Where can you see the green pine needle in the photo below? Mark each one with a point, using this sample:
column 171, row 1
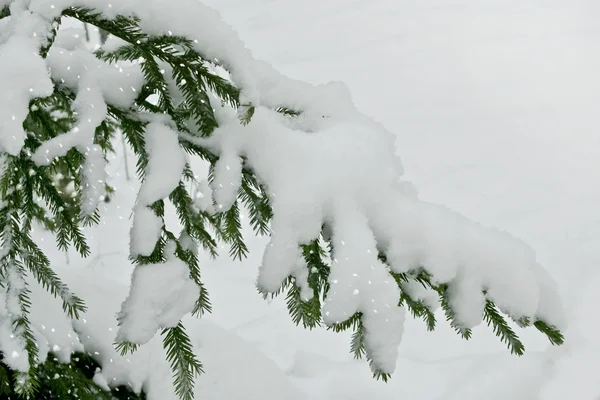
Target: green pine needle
column 4, row 12
column 5, row 388
column 357, row 345
column 554, row 335
column 231, row 231
column 124, row 348
column 306, row 312
column 186, row 88
column 184, row 364
column 381, row 376
column 255, row 198
column 501, row 328
column 419, row 310
column 246, row 112
column 288, row 112
column 353, row 322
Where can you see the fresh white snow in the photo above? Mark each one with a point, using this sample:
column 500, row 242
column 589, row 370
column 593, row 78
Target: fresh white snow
column 494, row 106
column 161, row 175
column 160, row 296
column 226, row 357
column 23, row 79
column 165, row 164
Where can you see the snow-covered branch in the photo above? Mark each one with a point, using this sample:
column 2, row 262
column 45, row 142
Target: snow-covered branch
column 350, row 236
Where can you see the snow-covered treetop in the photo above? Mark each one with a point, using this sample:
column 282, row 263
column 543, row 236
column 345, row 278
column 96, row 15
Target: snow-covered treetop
column 350, row 242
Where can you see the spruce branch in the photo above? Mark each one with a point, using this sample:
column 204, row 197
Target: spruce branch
column 288, row 112
column 357, row 345
column 465, row 333
column 73, row 382
column 4, row 12
column 58, row 380
column 26, row 383
column 418, row 309
column 501, row 328
column 194, row 222
column 189, row 69
column 522, row 322
column 555, row 336
column 184, row 364
column 5, row 388
column 39, row 266
column 246, row 112
column 181, row 86
column 318, row 268
column 124, row 348
column 50, row 37
column 255, row 198
column 353, row 322
column 189, row 257
column 231, row 232
column 307, row 312
column 271, row 295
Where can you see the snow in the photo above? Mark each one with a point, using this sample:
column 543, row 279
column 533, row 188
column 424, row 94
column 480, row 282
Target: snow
column 354, row 158
column 471, row 90
column 226, row 357
column 52, row 330
column 361, row 283
column 467, row 300
column 203, row 198
column 94, row 180
column 160, row 295
column 13, row 347
column 430, row 236
column 146, row 230
column 227, row 180
column 100, row 380
column 300, row 274
column 417, row 292
column 165, row 164
column 12, row 344
column 91, row 111
column 23, row 79
column 75, row 67
column 93, row 81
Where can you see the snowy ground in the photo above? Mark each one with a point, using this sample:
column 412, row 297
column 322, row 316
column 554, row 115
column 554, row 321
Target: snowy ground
column 494, row 103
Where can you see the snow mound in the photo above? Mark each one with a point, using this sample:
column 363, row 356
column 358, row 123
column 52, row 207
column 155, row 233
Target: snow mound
column 226, row 357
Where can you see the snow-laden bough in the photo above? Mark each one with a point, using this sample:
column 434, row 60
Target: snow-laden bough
column 349, row 239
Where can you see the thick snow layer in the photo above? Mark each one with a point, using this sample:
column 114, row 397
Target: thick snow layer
column 160, row 295
column 358, row 194
column 471, row 89
column 226, row 358
column 94, row 83
column 165, row 164
column 22, row 78
column 261, row 84
column 145, row 231
column 12, row 345
column 94, row 180
column 162, row 174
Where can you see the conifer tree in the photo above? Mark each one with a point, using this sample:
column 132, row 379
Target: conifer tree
column 161, row 86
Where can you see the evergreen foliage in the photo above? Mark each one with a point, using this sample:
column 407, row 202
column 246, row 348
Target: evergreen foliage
column 58, row 380
column 31, row 195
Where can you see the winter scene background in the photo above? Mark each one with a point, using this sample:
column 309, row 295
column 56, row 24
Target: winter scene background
column 493, row 109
